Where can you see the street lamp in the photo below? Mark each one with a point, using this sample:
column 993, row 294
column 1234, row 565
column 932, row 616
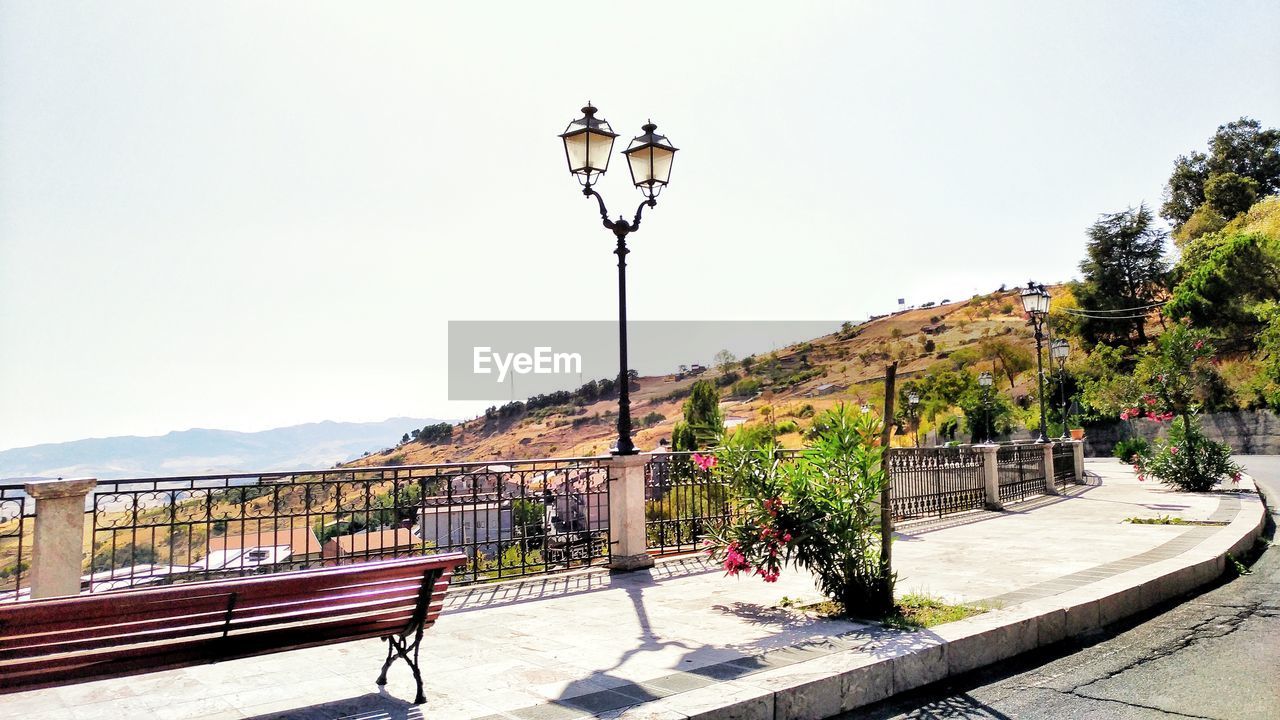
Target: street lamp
column 913, row 399
column 986, row 380
column 588, row 143
column 1035, row 300
column 1059, row 350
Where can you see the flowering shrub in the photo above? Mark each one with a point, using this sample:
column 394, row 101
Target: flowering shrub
column 819, row 510
column 1187, row 461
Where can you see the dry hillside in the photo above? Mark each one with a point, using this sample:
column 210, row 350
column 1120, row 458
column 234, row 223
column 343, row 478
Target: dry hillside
column 850, row 363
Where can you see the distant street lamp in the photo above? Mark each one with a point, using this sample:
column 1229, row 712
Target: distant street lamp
column 865, row 408
column 913, row 399
column 588, row 143
column 1059, row 350
column 1035, row 300
column 985, row 380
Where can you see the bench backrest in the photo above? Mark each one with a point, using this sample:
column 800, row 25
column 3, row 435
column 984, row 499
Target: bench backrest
column 59, row 640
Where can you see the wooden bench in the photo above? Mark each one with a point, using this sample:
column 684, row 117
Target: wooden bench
column 126, row 632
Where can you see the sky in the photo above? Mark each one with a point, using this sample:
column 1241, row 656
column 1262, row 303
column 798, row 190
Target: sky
column 244, row 215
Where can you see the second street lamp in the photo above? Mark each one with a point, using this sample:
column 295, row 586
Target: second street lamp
column 913, row 399
column 1058, row 351
column 588, row 143
column 1035, row 300
column 985, row 381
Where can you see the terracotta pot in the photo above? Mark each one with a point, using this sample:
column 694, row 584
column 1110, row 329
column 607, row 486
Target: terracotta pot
column 1077, row 433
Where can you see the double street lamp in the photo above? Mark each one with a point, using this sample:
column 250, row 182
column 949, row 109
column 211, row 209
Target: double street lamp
column 1059, row 350
column 1035, row 300
column 588, row 144
column 913, row 399
column 985, row 381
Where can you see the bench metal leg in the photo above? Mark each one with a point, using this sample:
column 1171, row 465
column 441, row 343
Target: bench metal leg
column 399, row 647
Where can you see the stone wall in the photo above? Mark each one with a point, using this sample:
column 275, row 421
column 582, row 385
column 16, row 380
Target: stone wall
column 1248, row 432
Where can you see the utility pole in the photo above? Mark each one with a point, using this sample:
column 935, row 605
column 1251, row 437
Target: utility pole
column 886, row 512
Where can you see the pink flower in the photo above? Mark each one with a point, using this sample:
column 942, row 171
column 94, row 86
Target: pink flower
column 786, row 538
column 1149, row 400
column 1124, row 414
column 1173, row 449
column 1199, row 344
column 704, row 462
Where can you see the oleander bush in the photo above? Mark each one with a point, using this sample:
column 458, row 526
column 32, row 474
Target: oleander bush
column 819, row 510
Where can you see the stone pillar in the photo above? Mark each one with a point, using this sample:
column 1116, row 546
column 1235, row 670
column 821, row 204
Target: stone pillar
column 990, row 472
column 627, row 540
column 57, row 549
column 1077, row 449
column 1049, row 487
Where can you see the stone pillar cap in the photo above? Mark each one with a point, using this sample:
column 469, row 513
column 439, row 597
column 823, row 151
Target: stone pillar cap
column 69, row 487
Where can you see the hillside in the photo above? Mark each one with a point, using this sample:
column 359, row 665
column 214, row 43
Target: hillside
column 299, row 447
column 849, row 363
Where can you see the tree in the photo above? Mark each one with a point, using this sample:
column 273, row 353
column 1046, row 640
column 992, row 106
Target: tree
column 703, row 423
column 1125, row 269
column 1223, row 280
column 1014, row 359
column 724, row 360
column 1229, row 194
column 1241, row 148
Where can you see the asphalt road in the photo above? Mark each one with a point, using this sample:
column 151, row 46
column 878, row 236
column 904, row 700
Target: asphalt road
column 1215, row 654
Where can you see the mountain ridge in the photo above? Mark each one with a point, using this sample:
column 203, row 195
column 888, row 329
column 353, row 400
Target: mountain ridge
column 306, row 446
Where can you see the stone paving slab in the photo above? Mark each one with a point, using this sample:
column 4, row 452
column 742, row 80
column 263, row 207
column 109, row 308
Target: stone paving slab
column 683, row 641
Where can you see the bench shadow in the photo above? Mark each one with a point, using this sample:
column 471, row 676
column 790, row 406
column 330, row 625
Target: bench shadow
column 370, row 706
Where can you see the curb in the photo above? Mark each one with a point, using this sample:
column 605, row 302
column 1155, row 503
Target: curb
column 849, row 679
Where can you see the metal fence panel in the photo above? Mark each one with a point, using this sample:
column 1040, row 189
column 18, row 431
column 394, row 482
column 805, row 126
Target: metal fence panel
column 17, row 523
column 511, row 518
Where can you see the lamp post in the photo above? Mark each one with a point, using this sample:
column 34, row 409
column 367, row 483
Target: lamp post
column 913, row 399
column 985, row 381
column 1035, row 300
column 1059, row 350
column 588, row 143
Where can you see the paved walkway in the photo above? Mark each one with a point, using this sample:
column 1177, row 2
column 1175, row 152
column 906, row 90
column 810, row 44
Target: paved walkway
column 591, row 643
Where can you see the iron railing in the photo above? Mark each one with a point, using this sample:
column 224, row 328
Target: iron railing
column 1064, row 465
column 511, row 518
column 683, row 503
column 1020, row 469
column 935, row 481
column 17, row 523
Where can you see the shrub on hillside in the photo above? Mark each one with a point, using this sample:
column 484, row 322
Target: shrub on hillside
column 749, row 386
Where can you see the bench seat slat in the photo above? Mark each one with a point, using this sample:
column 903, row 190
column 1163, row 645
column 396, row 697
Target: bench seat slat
column 114, row 662
column 132, row 635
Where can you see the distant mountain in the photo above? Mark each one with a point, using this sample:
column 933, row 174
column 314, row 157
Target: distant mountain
column 199, row 451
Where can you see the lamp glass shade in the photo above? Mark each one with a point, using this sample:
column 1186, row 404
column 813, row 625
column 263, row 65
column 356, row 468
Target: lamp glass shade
column 913, row 398
column 1059, row 350
column 588, row 143
column 985, row 379
column 650, row 157
column 1035, row 300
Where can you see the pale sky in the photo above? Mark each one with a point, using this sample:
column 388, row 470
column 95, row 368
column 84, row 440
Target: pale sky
column 246, row 215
